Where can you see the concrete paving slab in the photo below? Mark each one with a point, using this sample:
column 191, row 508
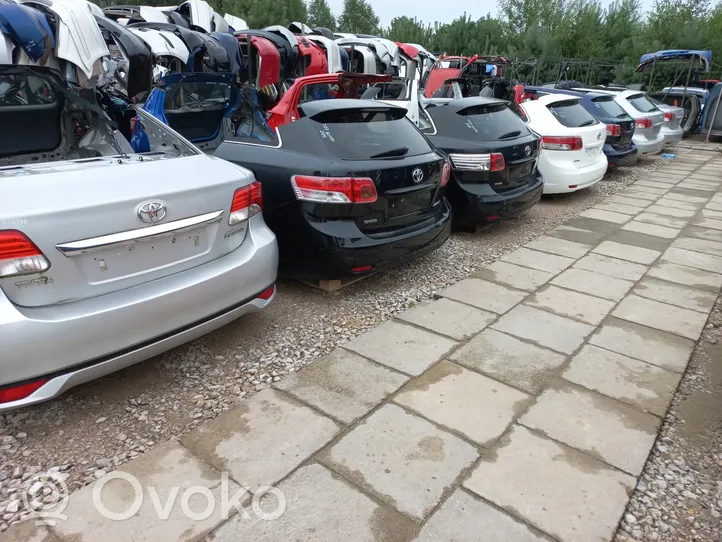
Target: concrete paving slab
column 402, row 347
column 618, row 208
column 343, row 385
column 172, row 471
column 676, row 294
column 645, row 188
column 464, row 401
column 614, row 267
column 447, row 317
column 516, row 276
column 551, row 263
column 715, row 215
column 662, row 316
column 629, row 253
column 653, row 184
column 544, row 328
column 606, row 216
column 319, row 506
column 710, row 223
column 698, row 245
column 661, row 220
column 402, row 459
column 631, row 192
column 705, row 262
column 662, row 349
column 509, row 360
column 601, row 227
column 672, row 211
column 484, row 295
column 640, row 240
column 703, row 233
column 697, row 187
column 652, row 229
column 686, row 191
column 633, row 202
column 28, row 531
column 674, row 194
column 688, row 276
column 712, row 206
column 463, row 518
column 631, row 381
column 661, row 180
column 588, row 282
column 676, row 204
column 565, row 493
column 577, row 235
column 613, row 432
column 574, row 305
column 560, row 247
column 261, row 441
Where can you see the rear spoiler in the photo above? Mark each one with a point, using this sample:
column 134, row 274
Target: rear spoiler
column 326, row 108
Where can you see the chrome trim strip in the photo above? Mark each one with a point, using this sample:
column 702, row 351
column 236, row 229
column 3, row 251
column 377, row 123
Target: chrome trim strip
column 85, row 246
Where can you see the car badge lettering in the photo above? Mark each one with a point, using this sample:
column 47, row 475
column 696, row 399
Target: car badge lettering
column 417, row 175
column 599, row 135
column 152, row 211
column 527, row 150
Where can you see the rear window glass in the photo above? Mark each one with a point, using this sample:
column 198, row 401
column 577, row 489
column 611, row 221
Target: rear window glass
column 641, row 103
column 607, row 107
column 361, row 135
column 17, row 89
column 571, row 114
column 197, row 95
column 493, row 122
column 387, row 91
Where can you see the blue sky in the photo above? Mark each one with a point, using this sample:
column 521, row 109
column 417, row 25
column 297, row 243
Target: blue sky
column 429, row 11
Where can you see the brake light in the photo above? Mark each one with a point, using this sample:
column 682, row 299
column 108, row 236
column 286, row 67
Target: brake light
column 497, row 161
column 361, row 269
column 553, row 143
column 19, row 255
column 247, row 202
column 446, row 173
column 334, row 189
column 267, row 293
column 15, row 393
column 643, row 123
column 669, row 117
column 614, row 130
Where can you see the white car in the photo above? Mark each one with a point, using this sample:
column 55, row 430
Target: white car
column 572, row 142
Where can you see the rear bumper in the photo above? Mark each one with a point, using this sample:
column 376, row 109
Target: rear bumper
column 76, row 342
column 563, row 180
column 331, row 250
column 476, row 204
column 617, row 158
column 649, row 146
column 672, row 135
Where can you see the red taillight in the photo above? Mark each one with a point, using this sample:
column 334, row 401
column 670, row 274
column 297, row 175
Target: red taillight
column 669, row 117
column 267, row 293
column 493, row 217
column 446, row 173
column 572, row 186
column 15, row 393
column 334, row 189
column 247, row 202
column 643, row 123
column 19, row 255
column 497, row 162
column 361, row 269
column 614, row 130
column 553, row 143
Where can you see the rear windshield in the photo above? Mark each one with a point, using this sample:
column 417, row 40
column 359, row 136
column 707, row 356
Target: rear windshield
column 197, row 95
column 394, row 90
column 361, row 135
column 571, row 114
column 605, row 106
column 641, row 103
column 492, row 122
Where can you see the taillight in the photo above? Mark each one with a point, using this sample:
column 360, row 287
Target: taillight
column 478, row 162
column 643, row 123
column 334, row 189
column 553, row 143
column 446, row 173
column 267, row 293
column 497, row 161
column 247, row 202
column 15, row 393
column 614, row 130
column 19, row 255
column 669, row 117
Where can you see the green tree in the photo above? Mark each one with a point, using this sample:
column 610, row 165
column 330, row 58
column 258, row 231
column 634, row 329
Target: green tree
column 408, row 30
column 319, row 14
column 358, row 17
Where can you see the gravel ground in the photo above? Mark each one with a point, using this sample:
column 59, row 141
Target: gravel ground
column 679, row 496
column 99, row 426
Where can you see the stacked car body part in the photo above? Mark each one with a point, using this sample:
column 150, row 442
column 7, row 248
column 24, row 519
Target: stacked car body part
column 164, row 164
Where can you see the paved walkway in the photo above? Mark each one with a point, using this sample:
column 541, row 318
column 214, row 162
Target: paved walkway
column 518, row 407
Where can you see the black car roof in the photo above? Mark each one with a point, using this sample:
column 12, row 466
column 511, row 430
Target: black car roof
column 310, row 109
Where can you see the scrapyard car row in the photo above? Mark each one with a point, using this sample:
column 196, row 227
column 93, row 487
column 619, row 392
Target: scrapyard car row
column 129, row 229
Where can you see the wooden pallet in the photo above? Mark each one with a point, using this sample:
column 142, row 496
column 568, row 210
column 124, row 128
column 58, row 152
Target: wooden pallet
column 332, row 285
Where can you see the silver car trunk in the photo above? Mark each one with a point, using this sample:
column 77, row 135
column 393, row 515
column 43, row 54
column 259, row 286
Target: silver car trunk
column 92, row 220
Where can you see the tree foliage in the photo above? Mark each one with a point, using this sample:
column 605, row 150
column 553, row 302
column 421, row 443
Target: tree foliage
column 358, row 17
column 319, row 14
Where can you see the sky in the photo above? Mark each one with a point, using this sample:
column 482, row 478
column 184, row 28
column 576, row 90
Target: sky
column 429, row 11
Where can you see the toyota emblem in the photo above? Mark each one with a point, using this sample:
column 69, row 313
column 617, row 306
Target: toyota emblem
column 527, row 150
column 151, row 211
column 599, row 135
column 417, row 175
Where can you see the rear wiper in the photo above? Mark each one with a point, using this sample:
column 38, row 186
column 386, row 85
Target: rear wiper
column 510, row 134
column 588, row 123
column 621, row 115
column 399, row 151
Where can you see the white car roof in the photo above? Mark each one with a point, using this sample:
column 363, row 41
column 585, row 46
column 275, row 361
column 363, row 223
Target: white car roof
column 549, row 99
column 201, row 14
column 236, row 22
column 163, row 43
